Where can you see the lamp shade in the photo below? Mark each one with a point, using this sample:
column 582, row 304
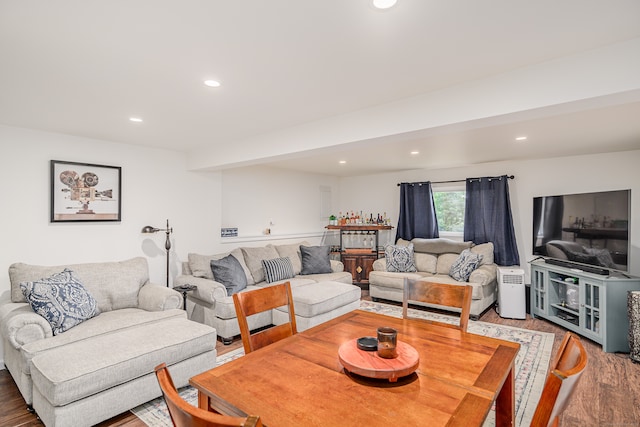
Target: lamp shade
column 149, row 229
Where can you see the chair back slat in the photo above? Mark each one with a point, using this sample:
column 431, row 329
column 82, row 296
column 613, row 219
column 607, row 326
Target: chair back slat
column 257, row 301
column 441, row 294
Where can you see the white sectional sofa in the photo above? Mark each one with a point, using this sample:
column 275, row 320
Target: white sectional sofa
column 433, row 261
column 104, row 365
column 317, row 297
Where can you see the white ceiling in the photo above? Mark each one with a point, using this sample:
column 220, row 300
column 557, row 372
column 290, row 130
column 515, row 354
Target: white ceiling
column 83, row 67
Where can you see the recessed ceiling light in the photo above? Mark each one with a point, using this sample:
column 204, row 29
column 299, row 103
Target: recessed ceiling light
column 521, row 138
column 212, row 83
column 342, row 162
column 413, row 153
column 135, row 119
column 384, row 4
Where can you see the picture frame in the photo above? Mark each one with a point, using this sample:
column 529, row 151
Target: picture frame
column 85, row 192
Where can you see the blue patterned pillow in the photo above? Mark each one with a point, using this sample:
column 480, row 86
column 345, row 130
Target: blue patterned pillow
column 400, row 258
column 61, row 299
column 277, row 269
column 464, row 265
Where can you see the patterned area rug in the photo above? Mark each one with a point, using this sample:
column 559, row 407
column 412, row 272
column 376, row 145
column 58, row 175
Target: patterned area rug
column 531, row 365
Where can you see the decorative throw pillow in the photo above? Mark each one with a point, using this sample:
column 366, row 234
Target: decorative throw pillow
column 61, row 299
column 400, row 258
column 277, row 269
column 315, row 259
column 230, row 273
column 466, row 263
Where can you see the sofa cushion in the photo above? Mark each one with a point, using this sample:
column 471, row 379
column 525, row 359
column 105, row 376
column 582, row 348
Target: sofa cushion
column 486, row 251
column 315, row 259
column 464, row 265
column 106, row 323
column 425, row 262
column 444, row 263
column 439, row 246
column 253, row 258
column 277, row 269
column 400, row 258
column 200, row 265
column 114, row 285
column 317, row 298
column 61, row 299
column 229, row 272
column 84, row 368
column 293, row 252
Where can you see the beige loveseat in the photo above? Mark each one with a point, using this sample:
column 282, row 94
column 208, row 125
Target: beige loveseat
column 433, row 261
column 317, row 297
column 105, row 365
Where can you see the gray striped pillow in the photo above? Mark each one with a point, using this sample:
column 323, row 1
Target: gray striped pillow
column 277, row 269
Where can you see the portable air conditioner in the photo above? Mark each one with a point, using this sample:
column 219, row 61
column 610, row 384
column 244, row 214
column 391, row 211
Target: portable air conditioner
column 511, row 293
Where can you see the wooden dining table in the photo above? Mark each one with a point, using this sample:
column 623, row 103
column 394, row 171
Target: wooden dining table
column 299, row 381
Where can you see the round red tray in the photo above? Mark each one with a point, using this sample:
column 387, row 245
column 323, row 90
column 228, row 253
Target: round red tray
column 370, row 365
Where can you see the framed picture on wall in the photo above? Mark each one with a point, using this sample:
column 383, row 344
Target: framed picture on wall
column 84, row 192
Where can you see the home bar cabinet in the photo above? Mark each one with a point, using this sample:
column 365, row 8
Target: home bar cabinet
column 358, row 246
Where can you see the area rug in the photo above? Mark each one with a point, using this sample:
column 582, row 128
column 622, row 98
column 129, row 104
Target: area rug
column 531, row 365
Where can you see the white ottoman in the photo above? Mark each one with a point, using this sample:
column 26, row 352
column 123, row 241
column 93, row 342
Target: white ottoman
column 315, row 303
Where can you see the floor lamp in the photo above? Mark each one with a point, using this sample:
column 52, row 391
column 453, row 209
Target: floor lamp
column 167, row 244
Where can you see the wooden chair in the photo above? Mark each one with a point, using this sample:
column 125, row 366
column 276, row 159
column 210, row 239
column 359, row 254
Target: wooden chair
column 183, row 414
column 440, row 294
column 257, row 301
column 568, row 366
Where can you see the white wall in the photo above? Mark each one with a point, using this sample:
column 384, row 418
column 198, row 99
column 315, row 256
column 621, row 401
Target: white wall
column 541, row 177
column 290, row 204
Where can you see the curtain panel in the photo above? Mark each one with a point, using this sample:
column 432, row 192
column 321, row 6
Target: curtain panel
column 487, row 217
column 417, row 216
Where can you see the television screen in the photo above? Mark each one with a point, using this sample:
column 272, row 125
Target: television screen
column 589, row 229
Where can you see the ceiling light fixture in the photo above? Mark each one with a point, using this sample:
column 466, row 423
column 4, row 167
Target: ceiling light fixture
column 384, row 4
column 135, row 119
column 413, row 153
column 521, row 138
column 342, row 162
column 212, row 83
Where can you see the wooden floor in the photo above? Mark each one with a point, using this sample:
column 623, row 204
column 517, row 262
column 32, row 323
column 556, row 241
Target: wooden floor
column 608, row 394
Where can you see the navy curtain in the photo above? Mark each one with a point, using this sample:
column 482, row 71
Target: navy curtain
column 417, row 212
column 487, row 217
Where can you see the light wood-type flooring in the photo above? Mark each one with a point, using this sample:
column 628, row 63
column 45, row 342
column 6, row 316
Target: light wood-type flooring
column 608, row 394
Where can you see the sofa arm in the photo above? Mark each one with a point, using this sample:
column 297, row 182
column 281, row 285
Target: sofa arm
column 21, row 325
column 208, row 290
column 484, row 274
column 336, row 266
column 158, row 298
column 380, row 264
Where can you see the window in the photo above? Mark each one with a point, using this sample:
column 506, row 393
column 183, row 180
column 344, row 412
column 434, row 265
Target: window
column 449, row 204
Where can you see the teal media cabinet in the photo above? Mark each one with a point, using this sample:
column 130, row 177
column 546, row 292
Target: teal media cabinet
column 588, row 304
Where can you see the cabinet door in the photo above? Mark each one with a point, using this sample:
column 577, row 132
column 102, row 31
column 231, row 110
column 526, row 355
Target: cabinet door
column 592, row 301
column 538, row 292
column 359, row 266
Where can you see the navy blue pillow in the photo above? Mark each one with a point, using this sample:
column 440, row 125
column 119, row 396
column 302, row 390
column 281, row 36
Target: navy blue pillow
column 229, row 272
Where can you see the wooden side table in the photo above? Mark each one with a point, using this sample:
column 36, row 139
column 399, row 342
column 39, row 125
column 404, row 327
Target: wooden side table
column 184, row 290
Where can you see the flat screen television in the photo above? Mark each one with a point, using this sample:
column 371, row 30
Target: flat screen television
column 588, row 231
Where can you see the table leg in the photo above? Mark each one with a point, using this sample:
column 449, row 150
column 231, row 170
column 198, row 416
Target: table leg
column 505, row 403
column 203, row 401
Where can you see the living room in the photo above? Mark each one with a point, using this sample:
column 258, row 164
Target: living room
column 254, row 185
